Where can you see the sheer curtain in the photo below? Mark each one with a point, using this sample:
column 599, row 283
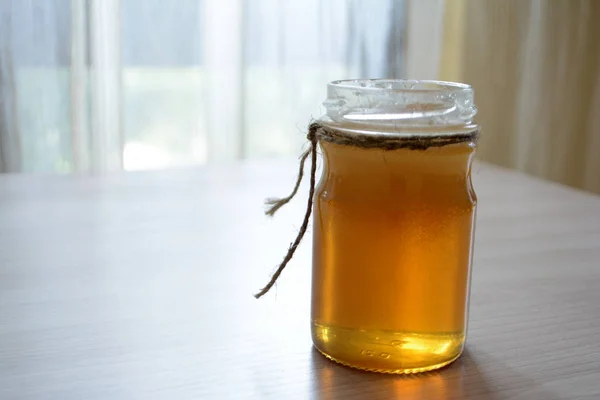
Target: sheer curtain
column 101, row 85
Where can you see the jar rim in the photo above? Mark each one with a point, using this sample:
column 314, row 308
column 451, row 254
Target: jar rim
column 401, row 85
column 399, row 102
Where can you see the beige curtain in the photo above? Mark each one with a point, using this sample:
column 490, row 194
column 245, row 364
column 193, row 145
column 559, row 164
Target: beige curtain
column 535, row 67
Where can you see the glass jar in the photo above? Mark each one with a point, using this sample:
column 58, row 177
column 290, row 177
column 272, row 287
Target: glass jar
column 393, row 228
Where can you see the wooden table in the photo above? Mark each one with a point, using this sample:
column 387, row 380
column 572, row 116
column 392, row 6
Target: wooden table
column 139, row 286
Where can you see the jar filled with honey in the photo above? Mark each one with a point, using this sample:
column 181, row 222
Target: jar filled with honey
column 393, row 224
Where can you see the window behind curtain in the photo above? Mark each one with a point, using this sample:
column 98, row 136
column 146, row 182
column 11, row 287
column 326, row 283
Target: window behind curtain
column 185, row 82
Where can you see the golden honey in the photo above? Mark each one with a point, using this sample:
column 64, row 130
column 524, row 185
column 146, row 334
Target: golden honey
column 392, row 248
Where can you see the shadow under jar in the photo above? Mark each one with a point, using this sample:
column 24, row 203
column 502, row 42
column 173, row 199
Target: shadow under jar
column 393, row 228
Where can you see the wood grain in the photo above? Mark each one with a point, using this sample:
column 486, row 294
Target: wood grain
column 139, row 286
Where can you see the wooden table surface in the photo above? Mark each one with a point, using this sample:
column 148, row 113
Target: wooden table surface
column 139, row 286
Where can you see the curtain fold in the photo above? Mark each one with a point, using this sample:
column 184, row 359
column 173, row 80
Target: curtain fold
column 10, row 144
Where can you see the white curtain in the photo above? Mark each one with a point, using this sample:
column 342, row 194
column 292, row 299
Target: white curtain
column 101, row 85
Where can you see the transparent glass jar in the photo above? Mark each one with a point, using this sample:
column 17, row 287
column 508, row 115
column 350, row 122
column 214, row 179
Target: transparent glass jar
column 393, row 229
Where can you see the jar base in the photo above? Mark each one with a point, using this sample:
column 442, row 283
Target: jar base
column 387, row 351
